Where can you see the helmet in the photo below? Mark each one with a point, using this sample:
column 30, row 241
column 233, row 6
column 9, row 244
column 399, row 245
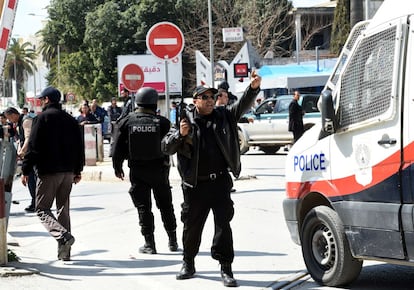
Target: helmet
column 223, row 85
column 146, row 96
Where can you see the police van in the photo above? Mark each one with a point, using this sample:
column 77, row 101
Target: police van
column 350, row 179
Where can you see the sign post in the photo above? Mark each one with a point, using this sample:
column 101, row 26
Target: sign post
column 166, row 41
column 133, row 78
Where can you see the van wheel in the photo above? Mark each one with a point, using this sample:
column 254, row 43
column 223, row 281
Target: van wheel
column 242, row 142
column 325, row 249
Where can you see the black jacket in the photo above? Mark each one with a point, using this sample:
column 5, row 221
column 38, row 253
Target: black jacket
column 121, row 141
column 225, row 129
column 295, row 117
column 55, row 143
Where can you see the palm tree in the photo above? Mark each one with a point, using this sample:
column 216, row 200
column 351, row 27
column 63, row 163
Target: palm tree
column 19, row 62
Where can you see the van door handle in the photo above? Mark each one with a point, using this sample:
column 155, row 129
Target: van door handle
column 389, row 141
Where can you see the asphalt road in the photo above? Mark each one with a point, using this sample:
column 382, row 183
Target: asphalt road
column 105, row 225
column 105, row 254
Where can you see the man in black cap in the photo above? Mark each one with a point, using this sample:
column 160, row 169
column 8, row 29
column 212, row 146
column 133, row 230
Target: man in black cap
column 225, row 86
column 56, row 154
column 207, row 147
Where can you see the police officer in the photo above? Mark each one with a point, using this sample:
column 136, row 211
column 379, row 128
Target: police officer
column 139, row 141
column 207, row 147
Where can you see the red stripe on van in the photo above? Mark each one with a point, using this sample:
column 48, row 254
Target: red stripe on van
column 348, row 185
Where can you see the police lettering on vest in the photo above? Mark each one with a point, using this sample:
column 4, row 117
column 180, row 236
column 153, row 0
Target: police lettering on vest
column 144, row 128
column 144, row 137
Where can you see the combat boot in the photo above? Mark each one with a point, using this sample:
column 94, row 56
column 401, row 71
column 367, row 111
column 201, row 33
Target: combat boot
column 187, row 270
column 227, row 275
column 149, row 246
column 172, row 241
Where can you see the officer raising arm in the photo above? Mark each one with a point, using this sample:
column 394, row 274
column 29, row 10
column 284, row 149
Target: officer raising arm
column 138, row 139
column 207, row 147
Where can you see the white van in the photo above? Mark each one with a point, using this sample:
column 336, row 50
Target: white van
column 350, row 179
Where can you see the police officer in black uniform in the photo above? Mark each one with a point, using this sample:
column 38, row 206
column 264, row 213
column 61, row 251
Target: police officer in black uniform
column 139, row 141
column 207, row 147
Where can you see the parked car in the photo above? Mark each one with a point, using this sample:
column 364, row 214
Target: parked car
column 267, row 125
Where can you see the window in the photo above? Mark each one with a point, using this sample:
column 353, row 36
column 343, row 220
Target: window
column 367, row 82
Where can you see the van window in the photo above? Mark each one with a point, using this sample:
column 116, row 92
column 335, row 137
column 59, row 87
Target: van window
column 367, row 81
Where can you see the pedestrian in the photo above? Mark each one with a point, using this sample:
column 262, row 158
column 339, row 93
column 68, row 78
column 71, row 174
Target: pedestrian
column 86, row 117
column 98, row 111
column 296, row 117
column 56, row 153
column 173, row 112
column 207, row 148
column 126, row 109
column 6, row 128
column 222, row 98
column 128, row 106
column 101, row 115
column 225, row 86
column 138, row 139
column 23, row 123
column 114, row 112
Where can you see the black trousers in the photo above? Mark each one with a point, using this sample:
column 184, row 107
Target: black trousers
column 297, row 134
column 143, row 180
column 198, row 201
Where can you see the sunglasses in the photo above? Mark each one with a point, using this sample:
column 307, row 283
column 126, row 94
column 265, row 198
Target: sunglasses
column 205, row 97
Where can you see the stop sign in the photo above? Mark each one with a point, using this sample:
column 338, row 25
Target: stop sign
column 165, row 40
column 132, row 77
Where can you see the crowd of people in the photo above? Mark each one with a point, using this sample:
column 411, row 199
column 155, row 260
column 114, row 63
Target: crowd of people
column 205, row 140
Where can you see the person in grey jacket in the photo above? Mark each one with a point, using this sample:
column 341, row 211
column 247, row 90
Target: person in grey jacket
column 207, row 148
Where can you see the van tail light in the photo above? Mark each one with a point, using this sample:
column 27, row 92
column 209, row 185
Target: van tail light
column 250, row 120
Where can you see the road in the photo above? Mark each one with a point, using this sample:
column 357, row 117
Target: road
column 105, row 254
column 105, row 224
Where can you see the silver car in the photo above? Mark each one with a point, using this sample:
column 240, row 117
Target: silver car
column 267, row 125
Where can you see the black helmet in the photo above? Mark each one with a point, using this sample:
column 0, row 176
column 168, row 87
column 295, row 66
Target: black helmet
column 146, row 96
column 223, row 85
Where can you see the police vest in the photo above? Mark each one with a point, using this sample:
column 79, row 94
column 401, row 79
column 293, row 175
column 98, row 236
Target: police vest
column 144, row 137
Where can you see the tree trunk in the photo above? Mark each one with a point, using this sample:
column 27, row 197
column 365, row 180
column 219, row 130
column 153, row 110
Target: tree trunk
column 357, row 12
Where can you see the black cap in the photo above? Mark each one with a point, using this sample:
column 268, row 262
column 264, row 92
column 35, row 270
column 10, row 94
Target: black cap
column 202, row 89
column 224, row 85
column 52, row 93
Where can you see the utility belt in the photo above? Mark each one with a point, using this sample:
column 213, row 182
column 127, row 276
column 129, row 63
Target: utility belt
column 211, row 176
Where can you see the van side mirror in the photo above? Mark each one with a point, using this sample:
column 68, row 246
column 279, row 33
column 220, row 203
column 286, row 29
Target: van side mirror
column 327, row 113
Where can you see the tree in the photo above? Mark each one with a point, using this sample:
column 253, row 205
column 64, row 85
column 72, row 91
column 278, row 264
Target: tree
column 269, row 25
column 19, row 62
column 341, row 26
column 92, row 33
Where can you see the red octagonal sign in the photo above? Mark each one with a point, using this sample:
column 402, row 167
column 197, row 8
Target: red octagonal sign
column 132, row 77
column 165, row 40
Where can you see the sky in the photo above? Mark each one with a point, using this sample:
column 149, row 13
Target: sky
column 25, row 24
